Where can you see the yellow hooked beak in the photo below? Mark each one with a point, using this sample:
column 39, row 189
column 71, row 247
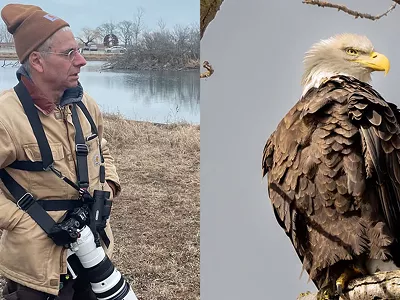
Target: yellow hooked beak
column 377, row 62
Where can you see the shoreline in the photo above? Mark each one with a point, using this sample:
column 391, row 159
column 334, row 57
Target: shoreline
column 111, row 64
column 88, row 56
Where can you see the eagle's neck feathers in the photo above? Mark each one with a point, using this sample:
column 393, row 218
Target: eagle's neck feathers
column 316, row 78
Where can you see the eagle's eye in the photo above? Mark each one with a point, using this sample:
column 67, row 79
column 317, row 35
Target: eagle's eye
column 351, row 51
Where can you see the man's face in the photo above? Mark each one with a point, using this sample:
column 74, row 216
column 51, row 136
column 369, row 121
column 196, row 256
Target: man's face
column 58, row 70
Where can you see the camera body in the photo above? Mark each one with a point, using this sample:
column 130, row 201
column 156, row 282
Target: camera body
column 67, row 231
column 96, row 209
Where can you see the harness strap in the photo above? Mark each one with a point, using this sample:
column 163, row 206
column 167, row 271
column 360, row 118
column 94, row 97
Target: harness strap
column 82, row 151
column 94, row 134
column 34, row 120
column 27, row 203
column 89, row 118
column 27, row 165
column 57, row 205
column 16, row 190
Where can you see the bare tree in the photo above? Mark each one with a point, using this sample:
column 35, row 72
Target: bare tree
column 163, row 48
column 137, row 26
column 5, row 36
column 181, row 36
column 161, row 24
column 194, row 40
column 107, row 28
column 88, row 35
column 125, row 30
column 159, row 44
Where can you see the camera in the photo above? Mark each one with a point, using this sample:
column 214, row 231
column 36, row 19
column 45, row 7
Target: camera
column 67, row 230
column 78, row 232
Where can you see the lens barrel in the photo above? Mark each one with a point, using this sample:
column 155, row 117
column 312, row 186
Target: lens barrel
column 85, row 259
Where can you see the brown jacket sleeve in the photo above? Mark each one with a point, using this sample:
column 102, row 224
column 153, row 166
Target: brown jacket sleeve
column 111, row 170
column 10, row 214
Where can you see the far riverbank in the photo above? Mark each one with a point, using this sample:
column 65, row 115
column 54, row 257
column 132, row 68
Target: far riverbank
column 126, row 62
column 89, row 56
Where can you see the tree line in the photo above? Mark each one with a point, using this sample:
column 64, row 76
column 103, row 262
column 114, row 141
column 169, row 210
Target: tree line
column 157, row 48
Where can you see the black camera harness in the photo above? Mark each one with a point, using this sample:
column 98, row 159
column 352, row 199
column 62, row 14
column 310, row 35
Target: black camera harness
column 37, row 209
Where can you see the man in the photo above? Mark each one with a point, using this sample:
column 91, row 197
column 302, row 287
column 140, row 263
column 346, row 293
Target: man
column 34, row 265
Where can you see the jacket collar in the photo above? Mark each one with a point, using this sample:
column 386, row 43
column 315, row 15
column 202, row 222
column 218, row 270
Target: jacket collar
column 45, row 104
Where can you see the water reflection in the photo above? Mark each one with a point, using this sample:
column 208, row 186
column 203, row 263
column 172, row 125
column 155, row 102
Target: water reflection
column 157, row 96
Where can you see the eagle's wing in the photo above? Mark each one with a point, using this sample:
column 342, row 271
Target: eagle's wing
column 322, row 167
column 379, row 130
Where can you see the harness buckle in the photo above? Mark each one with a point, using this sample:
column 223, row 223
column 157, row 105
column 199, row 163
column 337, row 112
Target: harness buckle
column 91, row 137
column 49, row 167
column 81, row 149
column 25, row 202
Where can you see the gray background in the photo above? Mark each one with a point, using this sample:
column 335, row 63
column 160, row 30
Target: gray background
column 257, row 48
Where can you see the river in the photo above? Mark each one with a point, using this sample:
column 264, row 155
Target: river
column 155, row 96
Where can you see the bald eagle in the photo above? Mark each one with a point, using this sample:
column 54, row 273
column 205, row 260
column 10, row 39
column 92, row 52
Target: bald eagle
column 333, row 167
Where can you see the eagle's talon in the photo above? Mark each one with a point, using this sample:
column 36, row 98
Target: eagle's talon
column 326, row 294
column 351, row 272
column 339, row 288
column 342, row 281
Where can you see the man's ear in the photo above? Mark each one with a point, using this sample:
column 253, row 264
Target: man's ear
column 36, row 61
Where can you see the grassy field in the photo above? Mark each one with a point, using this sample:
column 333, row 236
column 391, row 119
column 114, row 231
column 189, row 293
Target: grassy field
column 156, row 219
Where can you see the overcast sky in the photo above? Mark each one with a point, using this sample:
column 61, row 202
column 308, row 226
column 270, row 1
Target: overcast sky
column 92, row 13
column 256, row 48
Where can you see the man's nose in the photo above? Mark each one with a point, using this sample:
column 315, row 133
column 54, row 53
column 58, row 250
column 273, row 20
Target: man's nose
column 79, row 60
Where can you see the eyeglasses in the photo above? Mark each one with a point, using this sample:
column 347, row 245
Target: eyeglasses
column 71, row 54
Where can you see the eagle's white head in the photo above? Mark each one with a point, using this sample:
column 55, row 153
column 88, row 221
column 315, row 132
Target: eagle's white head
column 344, row 54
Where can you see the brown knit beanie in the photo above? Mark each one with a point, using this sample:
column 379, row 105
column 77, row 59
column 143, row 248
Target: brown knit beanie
column 30, row 26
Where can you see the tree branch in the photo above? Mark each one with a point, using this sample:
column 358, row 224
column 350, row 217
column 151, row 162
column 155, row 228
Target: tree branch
column 354, row 13
column 382, row 285
column 208, row 11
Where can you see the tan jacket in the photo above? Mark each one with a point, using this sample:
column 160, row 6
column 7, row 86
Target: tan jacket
column 27, row 255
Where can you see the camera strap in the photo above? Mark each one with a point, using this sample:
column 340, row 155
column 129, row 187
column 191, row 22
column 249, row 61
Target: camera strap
column 94, row 134
column 82, row 151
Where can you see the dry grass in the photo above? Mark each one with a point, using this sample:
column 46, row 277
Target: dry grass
column 156, row 219
column 160, row 204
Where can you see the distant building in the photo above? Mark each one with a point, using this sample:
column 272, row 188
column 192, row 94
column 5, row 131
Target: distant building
column 110, row 40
